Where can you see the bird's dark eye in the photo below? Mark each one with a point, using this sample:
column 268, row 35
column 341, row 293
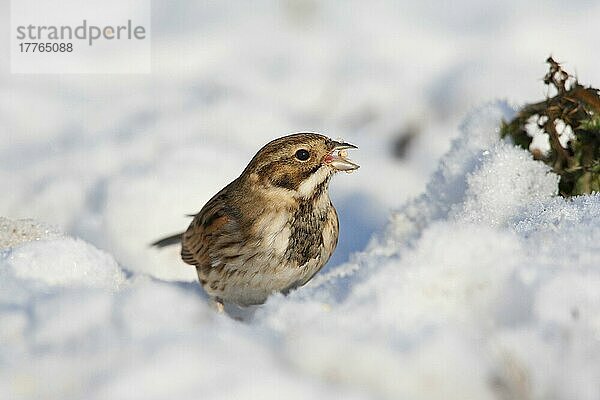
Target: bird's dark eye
column 302, row 155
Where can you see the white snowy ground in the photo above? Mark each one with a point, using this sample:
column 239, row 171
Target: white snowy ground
column 485, row 285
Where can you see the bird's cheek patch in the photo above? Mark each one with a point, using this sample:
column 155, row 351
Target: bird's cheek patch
column 285, row 181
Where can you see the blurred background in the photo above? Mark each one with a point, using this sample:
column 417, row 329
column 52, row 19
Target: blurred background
column 118, row 160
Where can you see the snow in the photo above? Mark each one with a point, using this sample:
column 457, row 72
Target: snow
column 32, row 251
column 459, row 273
column 484, row 285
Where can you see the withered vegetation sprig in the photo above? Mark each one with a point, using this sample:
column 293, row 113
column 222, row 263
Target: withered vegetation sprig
column 571, row 119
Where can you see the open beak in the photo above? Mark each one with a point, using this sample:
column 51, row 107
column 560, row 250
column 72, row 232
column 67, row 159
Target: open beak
column 337, row 157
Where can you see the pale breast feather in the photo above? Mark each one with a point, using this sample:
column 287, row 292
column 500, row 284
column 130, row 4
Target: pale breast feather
column 274, row 229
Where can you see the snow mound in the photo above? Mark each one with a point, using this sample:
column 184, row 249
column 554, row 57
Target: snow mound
column 485, row 287
column 64, row 262
column 38, row 253
column 505, row 182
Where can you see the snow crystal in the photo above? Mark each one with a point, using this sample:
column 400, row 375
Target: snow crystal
column 505, row 182
column 14, row 232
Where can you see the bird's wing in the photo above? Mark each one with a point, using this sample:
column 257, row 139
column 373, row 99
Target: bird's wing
column 213, row 225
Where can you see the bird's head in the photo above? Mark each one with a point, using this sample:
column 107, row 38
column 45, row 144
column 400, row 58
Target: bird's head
column 301, row 163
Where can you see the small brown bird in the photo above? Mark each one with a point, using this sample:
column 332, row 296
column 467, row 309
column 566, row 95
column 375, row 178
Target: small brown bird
column 271, row 229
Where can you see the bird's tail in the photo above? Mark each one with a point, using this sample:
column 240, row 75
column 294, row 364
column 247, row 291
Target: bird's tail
column 168, row 241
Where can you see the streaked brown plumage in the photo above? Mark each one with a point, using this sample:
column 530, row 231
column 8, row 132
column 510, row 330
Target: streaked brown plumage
column 271, row 229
